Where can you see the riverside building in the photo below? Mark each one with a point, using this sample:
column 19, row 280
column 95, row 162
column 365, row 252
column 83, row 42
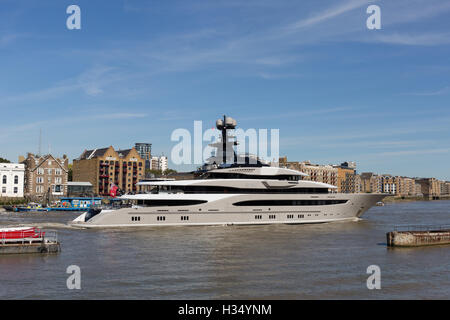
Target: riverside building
column 106, row 166
column 346, row 181
column 45, row 175
column 319, row 173
column 12, row 180
column 342, row 176
column 430, row 188
column 145, row 151
column 159, row 163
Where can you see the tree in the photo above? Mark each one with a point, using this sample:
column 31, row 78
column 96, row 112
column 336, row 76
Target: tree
column 70, row 173
column 2, row 160
column 159, row 173
column 169, row 171
column 156, row 173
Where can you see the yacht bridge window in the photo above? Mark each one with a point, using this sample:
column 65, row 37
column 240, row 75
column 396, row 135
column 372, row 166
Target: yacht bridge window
column 169, row 203
column 236, row 175
column 288, row 202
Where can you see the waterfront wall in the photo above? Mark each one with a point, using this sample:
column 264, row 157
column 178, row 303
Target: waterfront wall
column 413, row 198
column 11, row 201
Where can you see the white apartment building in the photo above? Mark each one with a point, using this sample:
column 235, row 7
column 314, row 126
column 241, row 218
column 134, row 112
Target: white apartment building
column 159, row 163
column 163, row 163
column 12, row 180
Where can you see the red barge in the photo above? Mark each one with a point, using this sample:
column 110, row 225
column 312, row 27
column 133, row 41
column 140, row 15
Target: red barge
column 27, row 240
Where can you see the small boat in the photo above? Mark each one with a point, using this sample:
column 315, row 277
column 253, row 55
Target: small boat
column 31, row 207
column 380, row 203
column 75, row 204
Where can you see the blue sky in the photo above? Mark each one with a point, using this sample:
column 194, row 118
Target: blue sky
column 137, row 70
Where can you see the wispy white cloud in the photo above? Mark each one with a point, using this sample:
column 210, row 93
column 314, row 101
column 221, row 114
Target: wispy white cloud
column 305, row 112
column 439, row 92
column 118, row 116
column 352, row 137
column 412, row 152
column 329, row 13
column 6, row 39
column 275, row 76
column 6, row 131
column 90, row 82
column 428, row 39
column 383, row 144
column 407, row 11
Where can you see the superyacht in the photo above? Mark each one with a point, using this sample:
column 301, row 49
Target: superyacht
column 231, row 189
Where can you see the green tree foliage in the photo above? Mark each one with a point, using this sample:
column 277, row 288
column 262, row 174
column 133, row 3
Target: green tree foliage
column 159, row 173
column 2, row 160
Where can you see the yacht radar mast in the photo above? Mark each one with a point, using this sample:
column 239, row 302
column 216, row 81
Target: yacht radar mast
column 225, row 152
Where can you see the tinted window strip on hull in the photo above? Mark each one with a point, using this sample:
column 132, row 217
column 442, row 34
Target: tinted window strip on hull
column 288, row 202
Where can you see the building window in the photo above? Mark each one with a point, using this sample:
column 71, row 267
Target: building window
column 58, row 180
column 16, row 179
column 4, row 180
column 184, row 218
column 15, row 190
column 301, row 216
column 3, row 189
column 40, row 171
column 39, row 180
column 161, row 218
column 49, row 171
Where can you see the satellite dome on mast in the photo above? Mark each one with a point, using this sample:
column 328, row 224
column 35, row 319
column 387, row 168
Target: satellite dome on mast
column 230, row 123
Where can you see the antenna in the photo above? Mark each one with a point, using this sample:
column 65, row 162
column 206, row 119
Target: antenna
column 40, row 141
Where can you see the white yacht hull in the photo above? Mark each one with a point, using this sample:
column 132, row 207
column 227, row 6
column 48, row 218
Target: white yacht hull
column 219, row 210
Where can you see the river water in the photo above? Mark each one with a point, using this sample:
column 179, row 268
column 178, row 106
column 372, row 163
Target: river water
column 321, row 261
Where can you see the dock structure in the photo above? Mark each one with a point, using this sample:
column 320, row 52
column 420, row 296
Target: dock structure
column 415, row 236
column 44, row 242
column 12, row 248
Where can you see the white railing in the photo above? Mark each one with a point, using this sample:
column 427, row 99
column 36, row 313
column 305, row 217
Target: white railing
column 31, row 235
column 423, row 228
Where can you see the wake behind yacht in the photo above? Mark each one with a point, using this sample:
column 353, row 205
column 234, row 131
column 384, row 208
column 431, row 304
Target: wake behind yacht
column 241, row 193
